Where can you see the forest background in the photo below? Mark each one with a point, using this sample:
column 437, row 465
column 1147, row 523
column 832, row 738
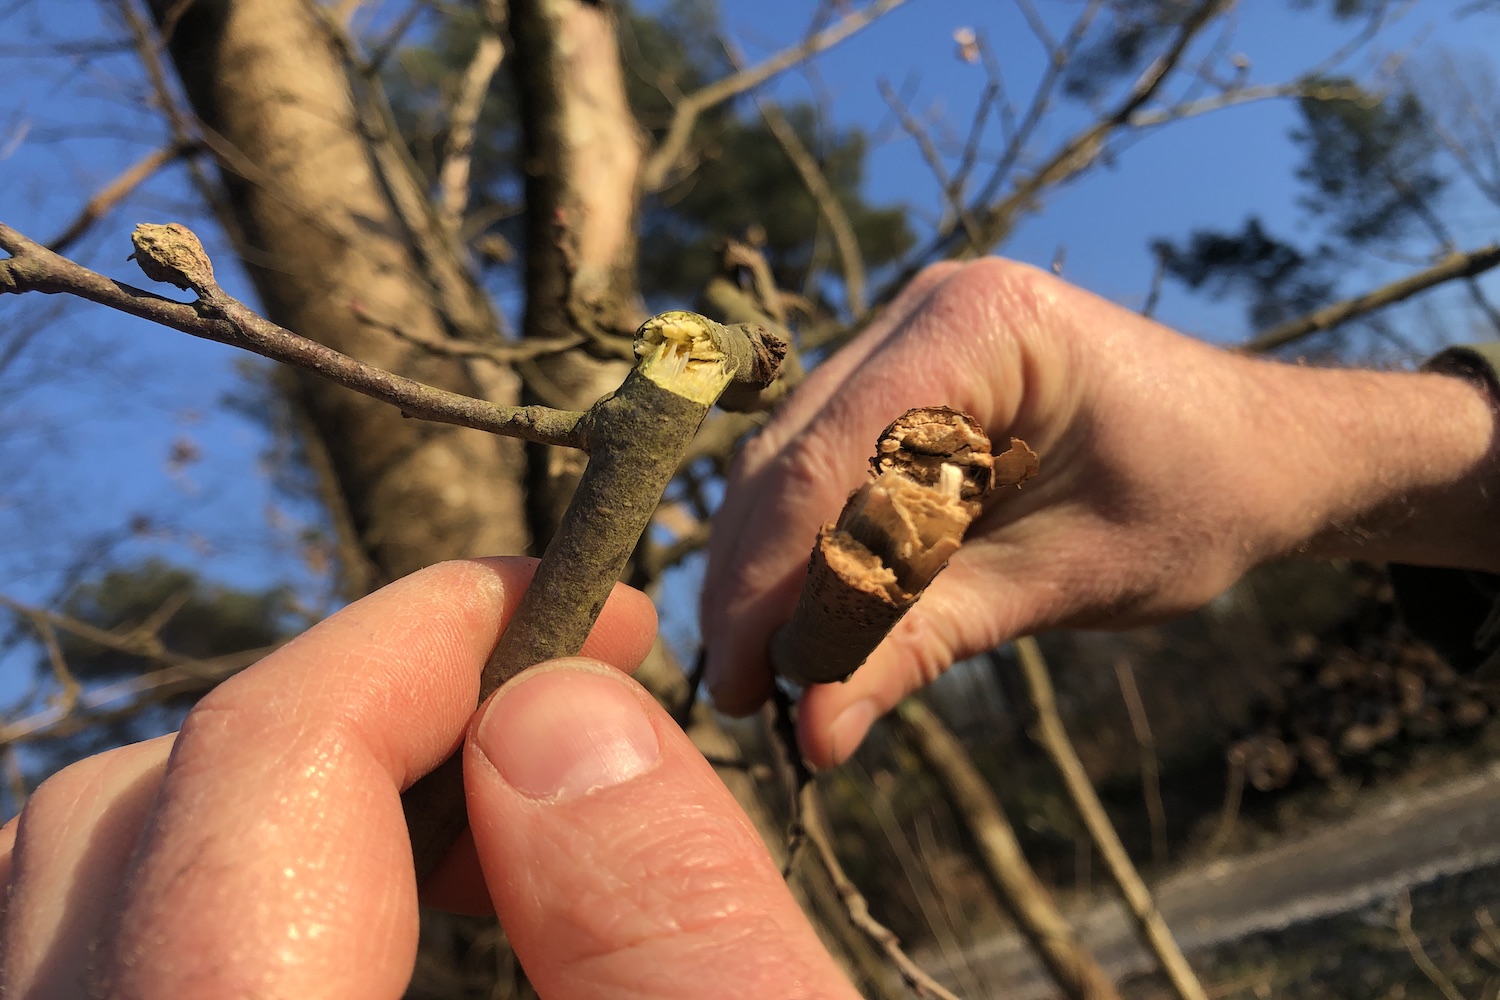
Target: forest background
column 176, row 494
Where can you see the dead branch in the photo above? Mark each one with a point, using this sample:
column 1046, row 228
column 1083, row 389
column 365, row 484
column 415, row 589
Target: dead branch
column 453, row 175
column 1457, row 265
column 829, row 205
column 952, row 190
column 1053, row 739
column 855, row 904
column 659, row 165
column 218, row 317
column 1140, row 725
column 118, row 190
column 1413, row 945
column 1076, row 971
column 79, row 708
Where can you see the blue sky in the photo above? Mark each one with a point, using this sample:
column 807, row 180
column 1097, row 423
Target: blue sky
column 84, row 452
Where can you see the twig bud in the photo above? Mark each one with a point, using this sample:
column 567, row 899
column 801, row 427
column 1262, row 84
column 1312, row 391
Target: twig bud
column 171, row 254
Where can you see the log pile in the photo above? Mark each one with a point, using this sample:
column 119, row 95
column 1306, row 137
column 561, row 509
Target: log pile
column 1364, row 686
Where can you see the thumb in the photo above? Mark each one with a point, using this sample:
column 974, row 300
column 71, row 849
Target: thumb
column 618, row 863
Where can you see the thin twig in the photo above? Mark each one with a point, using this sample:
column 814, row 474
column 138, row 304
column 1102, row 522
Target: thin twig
column 181, row 122
column 382, row 50
column 829, row 205
column 855, row 904
column 16, row 777
column 71, row 689
column 1150, row 765
column 1075, row 970
column 657, row 559
column 659, row 165
column 33, row 268
column 1153, row 294
column 1454, row 266
column 952, row 192
column 796, row 776
column 178, row 675
column 683, row 713
column 1054, row 741
column 474, row 86
column 1229, row 811
column 1413, row 945
column 117, row 190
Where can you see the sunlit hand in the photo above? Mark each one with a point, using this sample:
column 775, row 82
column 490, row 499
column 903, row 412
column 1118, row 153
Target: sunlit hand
column 1168, row 468
column 261, row 851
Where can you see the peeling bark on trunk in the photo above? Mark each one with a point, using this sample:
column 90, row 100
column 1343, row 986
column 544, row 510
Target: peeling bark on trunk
column 332, row 258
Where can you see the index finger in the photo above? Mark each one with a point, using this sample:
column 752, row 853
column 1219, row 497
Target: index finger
column 276, row 862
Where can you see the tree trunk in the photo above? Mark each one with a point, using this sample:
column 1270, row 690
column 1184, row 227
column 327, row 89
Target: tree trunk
column 318, row 215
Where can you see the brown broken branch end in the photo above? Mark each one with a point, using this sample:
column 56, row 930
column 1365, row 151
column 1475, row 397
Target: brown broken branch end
column 932, row 471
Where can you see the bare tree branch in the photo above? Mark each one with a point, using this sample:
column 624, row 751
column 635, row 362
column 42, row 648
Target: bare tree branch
column 659, row 165
column 453, row 175
column 1140, row 724
column 1458, row 265
column 81, row 708
column 828, row 204
column 1054, row 741
column 180, row 122
column 858, row 908
column 382, row 50
column 1084, row 148
column 33, row 268
column 952, row 190
column 118, row 190
column 1071, row 965
column 1413, row 945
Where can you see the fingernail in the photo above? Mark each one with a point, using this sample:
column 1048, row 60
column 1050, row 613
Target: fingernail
column 567, row 729
column 849, row 729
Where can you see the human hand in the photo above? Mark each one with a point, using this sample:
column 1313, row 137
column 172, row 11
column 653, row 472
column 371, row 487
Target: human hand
column 1168, row 468
column 262, row 852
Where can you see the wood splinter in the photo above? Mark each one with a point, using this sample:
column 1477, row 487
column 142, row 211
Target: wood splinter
column 932, row 472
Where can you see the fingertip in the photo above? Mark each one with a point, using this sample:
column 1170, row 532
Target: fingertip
column 616, row 858
column 834, row 719
column 625, row 631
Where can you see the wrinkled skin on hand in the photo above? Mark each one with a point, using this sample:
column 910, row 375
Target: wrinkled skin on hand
column 1156, row 489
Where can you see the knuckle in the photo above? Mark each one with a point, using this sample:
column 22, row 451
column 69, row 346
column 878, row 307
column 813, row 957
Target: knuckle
column 60, row 791
column 1000, row 284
